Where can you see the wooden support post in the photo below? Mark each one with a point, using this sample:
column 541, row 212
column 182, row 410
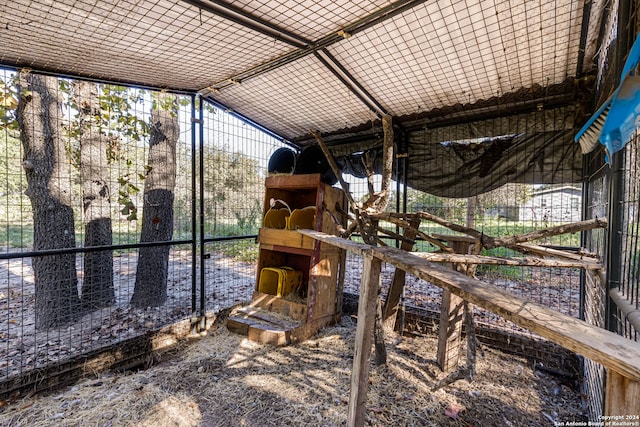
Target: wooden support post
column 622, row 396
column 390, row 310
column 342, row 265
column 450, row 334
column 451, row 318
column 364, row 340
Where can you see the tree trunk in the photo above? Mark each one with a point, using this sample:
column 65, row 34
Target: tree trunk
column 49, row 189
column 157, row 215
column 97, row 287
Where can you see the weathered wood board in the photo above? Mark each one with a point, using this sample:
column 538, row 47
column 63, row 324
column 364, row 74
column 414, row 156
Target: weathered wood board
column 610, row 350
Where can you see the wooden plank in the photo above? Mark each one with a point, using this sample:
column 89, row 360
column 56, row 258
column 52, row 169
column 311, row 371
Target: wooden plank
column 610, row 350
column 454, row 238
column 390, row 309
column 275, row 319
column 523, row 261
column 288, row 238
column 570, row 228
column 622, row 398
column 238, row 326
column 309, row 329
column 278, row 305
column 543, row 251
column 265, row 335
column 325, row 277
column 293, row 182
column 452, row 314
column 363, row 341
column 331, row 197
column 450, row 331
column 349, row 245
column 263, row 331
column 342, row 264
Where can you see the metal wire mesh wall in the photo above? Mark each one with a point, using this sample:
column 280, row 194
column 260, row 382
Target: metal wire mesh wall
column 62, row 301
column 626, row 296
column 509, row 210
column 107, row 248
column 612, row 191
column 235, row 158
column 594, row 294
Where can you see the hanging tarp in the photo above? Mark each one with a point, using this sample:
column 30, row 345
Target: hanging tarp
column 463, row 170
column 479, row 156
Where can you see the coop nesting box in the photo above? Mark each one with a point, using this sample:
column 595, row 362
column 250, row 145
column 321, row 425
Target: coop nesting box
column 293, row 265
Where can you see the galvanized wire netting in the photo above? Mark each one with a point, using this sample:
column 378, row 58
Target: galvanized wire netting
column 206, row 262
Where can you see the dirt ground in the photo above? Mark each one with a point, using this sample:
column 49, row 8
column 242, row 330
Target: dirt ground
column 223, row 379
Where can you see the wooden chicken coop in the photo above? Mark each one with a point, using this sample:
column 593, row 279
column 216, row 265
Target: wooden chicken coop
column 285, row 309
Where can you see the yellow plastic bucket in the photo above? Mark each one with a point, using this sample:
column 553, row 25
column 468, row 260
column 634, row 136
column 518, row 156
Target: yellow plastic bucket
column 302, row 218
column 279, row 281
column 276, row 218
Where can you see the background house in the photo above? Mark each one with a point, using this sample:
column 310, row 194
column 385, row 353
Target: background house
column 553, row 204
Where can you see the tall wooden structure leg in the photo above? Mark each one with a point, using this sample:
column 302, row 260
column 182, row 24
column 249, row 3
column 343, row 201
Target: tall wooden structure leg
column 390, row 309
column 622, row 397
column 450, row 335
column 451, row 319
column 364, row 340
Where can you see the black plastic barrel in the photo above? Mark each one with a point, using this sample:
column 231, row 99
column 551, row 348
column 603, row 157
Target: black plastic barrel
column 283, row 160
column 312, row 160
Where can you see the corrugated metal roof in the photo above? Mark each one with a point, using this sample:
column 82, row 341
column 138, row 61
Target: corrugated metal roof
column 291, row 65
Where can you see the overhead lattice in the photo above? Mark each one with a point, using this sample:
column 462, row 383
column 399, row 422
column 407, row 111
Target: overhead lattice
column 294, row 64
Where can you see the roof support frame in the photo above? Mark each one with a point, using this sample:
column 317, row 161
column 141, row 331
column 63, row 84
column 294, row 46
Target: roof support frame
column 348, row 80
column 247, row 120
column 374, row 18
column 452, row 118
column 239, row 16
column 586, row 17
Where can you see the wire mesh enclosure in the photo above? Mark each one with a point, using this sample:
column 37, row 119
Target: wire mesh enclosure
column 626, row 295
column 509, row 210
column 610, row 184
column 202, row 251
column 129, row 217
column 143, row 219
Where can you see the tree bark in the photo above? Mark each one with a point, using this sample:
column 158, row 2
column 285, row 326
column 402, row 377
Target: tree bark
column 157, row 214
column 97, row 287
column 49, row 189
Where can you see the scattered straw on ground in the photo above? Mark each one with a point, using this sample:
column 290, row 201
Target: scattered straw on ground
column 225, row 380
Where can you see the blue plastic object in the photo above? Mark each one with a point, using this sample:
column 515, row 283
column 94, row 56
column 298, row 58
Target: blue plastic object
column 621, row 111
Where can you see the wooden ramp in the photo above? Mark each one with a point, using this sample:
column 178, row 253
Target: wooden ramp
column 263, row 325
column 272, row 320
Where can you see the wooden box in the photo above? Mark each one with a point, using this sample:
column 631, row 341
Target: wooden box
column 280, row 321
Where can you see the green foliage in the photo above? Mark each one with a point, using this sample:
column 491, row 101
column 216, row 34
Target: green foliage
column 117, row 120
column 505, row 271
column 127, row 190
column 418, row 201
column 8, row 105
column 11, row 171
column 233, row 191
column 167, row 103
column 249, row 218
column 207, row 106
column 16, row 236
